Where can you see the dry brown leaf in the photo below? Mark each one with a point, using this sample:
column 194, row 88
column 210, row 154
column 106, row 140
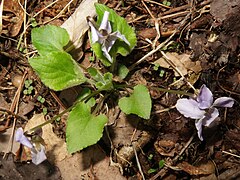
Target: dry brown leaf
column 77, row 26
column 56, row 147
column 203, row 169
column 4, row 140
column 13, row 19
column 182, row 62
column 91, row 163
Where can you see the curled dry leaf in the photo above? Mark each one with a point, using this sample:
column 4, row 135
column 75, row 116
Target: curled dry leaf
column 77, row 26
column 203, row 169
column 182, row 62
column 13, row 19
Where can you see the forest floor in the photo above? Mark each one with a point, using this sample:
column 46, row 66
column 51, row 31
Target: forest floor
column 199, row 39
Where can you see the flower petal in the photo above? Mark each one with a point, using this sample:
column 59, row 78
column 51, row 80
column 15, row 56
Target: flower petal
column 224, row 102
column 38, row 156
column 121, row 36
column 109, row 42
column 198, row 124
column 210, row 116
column 21, row 138
column 189, row 108
column 105, row 24
column 96, row 36
column 205, row 97
column 105, row 53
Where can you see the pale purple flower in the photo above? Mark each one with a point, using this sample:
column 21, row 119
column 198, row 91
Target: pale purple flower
column 203, row 109
column 22, row 139
column 38, row 156
column 104, row 35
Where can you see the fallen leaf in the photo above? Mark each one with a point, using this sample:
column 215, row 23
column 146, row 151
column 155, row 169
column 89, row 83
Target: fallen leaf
column 182, row 62
column 203, row 169
column 4, row 140
column 92, row 163
column 12, row 23
column 76, row 26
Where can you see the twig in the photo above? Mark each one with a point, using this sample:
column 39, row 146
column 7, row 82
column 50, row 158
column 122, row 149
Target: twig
column 14, row 105
column 68, row 4
column 162, row 5
column 152, row 52
column 162, row 172
column 231, row 154
column 1, row 16
column 138, row 163
column 156, row 25
column 12, row 113
column 169, row 61
column 44, row 8
column 159, row 46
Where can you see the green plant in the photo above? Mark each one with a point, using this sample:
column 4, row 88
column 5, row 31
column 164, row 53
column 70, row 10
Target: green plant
column 28, row 87
column 58, row 70
column 41, row 99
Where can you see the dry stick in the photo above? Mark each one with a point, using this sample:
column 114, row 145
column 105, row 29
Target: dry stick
column 162, row 172
column 13, row 114
column 152, row 52
column 237, row 156
column 138, row 163
column 1, row 16
column 23, row 8
column 168, row 60
column 68, row 4
column 177, row 9
column 14, row 105
column 44, row 8
column 156, row 25
column 162, row 5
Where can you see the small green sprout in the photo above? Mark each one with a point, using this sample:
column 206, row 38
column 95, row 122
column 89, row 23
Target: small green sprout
column 41, row 99
column 28, row 86
column 150, row 157
column 161, row 164
column 151, row 171
column 166, row 3
column 45, row 111
column 162, row 72
column 33, row 22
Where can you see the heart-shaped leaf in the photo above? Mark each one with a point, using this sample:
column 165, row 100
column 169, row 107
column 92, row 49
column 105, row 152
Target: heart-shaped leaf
column 58, row 70
column 49, row 38
column 83, row 128
column 138, row 103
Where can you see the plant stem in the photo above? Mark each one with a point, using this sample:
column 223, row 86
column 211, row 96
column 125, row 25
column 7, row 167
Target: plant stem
column 62, row 113
column 113, row 66
column 173, row 91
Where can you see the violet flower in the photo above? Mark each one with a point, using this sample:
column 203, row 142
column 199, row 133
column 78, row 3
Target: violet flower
column 38, row 155
column 104, row 35
column 203, row 109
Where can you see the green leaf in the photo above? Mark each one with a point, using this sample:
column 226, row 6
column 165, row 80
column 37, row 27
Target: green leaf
column 58, row 70
column 122, row 71
column 49, row 38
column 138, row 103
column 161, row 163
column 84, row 93
column 118, row 24
column 83, row 128
column 151, row 171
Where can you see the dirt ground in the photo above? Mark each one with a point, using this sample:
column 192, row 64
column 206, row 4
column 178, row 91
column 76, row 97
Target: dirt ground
column 201, row 40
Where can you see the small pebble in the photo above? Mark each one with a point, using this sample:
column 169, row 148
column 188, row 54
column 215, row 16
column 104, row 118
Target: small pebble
column 16, row 80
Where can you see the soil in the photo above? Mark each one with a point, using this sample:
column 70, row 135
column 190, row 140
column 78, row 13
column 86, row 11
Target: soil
column 202, row 38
